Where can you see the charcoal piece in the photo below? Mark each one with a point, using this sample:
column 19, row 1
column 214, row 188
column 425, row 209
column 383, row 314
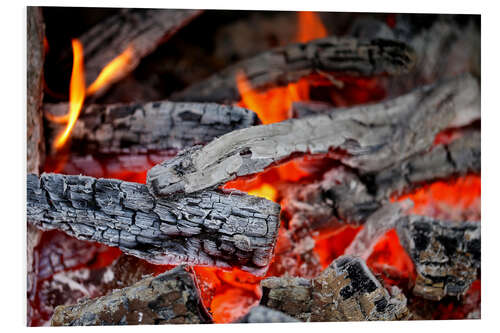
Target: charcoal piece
column 345, row 291
column 154, row 126
column 371, row 137
column 287, row 64
column 224, row 229
column 447, row 255
column 169, row 298
column 262, row 314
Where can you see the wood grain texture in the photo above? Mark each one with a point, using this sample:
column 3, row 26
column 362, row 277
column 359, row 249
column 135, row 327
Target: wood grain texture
column 287, row 64
column 370, row 137
column 225, row 229
column 154, row 126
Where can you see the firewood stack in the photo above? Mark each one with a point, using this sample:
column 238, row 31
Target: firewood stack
column 147, row 237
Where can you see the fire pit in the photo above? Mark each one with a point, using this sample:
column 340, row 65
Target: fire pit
column 189, row 166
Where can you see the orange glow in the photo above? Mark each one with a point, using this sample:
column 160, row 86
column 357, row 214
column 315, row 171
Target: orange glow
column 310, row 27
column 265, row 191
column 112, row 72
column 76, row 93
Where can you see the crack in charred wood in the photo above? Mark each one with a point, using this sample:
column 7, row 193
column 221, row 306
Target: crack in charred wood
column 447, row 255
column 345, row 291
column 399, row 128
column 224, row 229
column 288, row 64
column 169, row 298
column 154, row 126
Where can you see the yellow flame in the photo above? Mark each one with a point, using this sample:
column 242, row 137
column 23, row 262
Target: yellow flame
column 76, row 92
column 265, row 191
column 112, row 71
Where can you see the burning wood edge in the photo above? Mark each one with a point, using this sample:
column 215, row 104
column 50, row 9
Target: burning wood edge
column 169, row 298
column 345, row 291
column 343, row 197
column 288, row 64
column 373, row 137
column 447, row 255
column 223, row 229
column 154, row 126
column 262, row 314
column 136, row 32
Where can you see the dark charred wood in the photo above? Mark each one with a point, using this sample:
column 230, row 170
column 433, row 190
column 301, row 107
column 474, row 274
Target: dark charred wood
column 224, row 229
column 370, row 137
column 141, row 29
column 154, row 126
column 345, row 291
column 288, row 64
column 262, row 314
column 447, row 255
column 169, row 298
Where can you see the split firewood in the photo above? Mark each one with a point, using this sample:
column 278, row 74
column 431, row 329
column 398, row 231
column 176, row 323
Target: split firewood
column 342, row 196
column 155, row 126
column 224, row 229
column 345, row 291
column 447, row 255
column 262, row 314
column 169, row 298
column 288, row 64
column 369, row 137
column 135, row 32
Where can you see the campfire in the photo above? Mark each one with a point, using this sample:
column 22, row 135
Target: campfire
column 189, row 166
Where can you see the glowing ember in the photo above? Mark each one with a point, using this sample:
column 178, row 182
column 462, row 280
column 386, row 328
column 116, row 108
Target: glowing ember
column 112, row 71
column 265, row 191
column 76, row 93
column 310, row 27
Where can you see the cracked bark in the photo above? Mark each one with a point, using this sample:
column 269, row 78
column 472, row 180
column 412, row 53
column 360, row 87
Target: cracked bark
column 169, row 298
column 287, row 64
column 345, row 291
column 225, row 229
column 370, row 137
column 447, row 255
column 155, row 126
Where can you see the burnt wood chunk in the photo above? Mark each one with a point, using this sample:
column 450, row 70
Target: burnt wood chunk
column 371, row 137
column 169, row 298
column 447, row 255
column 137, row 29
column 223, row 229
column 155, row 126
column 287, row 64
column 345, row 291
column 262, row 314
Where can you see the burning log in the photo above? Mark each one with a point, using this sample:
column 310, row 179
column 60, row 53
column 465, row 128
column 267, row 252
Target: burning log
column 287, row 64
column 155, row 126
column 345, row 291
column 262, row 314
column 372, row 138
column 209, row 228
column 169, row 298
column 447, row 255
column 131, row 34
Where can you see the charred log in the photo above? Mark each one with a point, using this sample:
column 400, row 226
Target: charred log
column 289, row 63
column 345, row 291
column 169, row 298
column 372, row 138
column 209, row 228
column 447, row 255
column 155, row 126
column 262, row 314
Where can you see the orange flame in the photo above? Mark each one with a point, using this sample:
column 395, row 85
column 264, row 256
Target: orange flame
column 310, row 27
column 76, row 92
column 112, row 71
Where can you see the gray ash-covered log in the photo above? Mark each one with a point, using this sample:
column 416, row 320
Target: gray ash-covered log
column 154, row 126
column 447, row 255
column 370, row 138
column 288, row 64
column 262, row 314
column 169, row 298
column 225, row 229
column 135, row 32
column 345, row 291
